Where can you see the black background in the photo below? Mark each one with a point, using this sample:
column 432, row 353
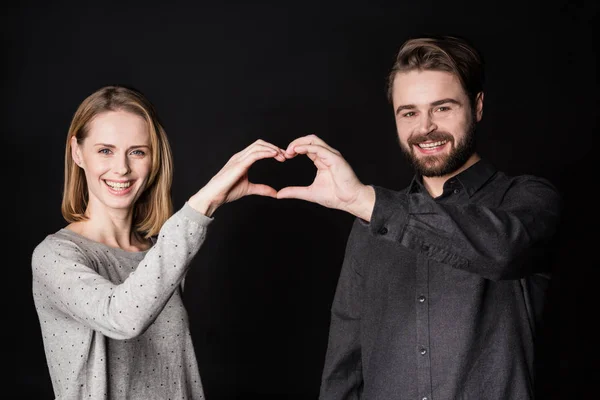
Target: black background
column 223, row 74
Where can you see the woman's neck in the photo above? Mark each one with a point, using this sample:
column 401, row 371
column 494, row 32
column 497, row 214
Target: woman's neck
column 112, row 228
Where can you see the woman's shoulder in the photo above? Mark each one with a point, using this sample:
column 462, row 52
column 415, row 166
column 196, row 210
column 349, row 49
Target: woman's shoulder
column 63, row 243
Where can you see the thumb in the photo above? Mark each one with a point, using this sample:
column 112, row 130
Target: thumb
column 261, row 190
column 295, row 192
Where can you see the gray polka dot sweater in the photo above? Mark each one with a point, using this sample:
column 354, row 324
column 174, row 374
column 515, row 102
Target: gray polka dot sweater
column 113, row 322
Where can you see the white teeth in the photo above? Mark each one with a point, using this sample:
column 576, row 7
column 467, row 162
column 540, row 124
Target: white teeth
column 431, row 145
column 118, row 185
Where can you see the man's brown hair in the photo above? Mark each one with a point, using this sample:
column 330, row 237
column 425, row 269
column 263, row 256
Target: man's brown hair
column 441, row 53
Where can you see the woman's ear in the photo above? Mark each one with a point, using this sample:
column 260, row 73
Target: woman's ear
column 76, row 152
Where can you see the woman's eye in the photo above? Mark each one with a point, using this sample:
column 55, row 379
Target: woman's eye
column 104, row 151
column 138, row 153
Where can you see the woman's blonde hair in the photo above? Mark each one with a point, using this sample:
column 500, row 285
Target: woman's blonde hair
column 154, row 206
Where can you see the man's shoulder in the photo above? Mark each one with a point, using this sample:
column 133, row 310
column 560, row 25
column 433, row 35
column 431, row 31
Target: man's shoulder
column 525, row 180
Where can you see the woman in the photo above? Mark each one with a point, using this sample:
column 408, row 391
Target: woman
column 107, row 287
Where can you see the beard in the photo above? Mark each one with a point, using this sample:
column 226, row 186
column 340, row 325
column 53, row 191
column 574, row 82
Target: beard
column 441, row 165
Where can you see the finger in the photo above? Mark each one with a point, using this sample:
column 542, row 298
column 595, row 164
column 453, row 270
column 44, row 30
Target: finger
column 309, row 140
column 277, row 152
column 296, row 142
column 289, row 155
column 323, row 154
column 317, row 161
column 261, row 190
column 295, row 192
column 262, row 144
column 270, row 145
column 280, row 157
column 259, row 154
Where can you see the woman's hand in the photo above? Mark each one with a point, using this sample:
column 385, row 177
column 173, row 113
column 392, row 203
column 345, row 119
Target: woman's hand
column 231, row 182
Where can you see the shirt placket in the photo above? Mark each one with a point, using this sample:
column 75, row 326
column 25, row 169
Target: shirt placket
column 422, row 313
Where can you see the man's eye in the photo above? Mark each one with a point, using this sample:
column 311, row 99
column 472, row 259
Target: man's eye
column 443, row 108
column 409, row 114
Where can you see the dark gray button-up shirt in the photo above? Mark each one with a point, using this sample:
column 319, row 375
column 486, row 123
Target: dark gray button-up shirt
column 438, row 298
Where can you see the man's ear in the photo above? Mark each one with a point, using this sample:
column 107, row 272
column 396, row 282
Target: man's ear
column 76, row 152
column 479, row 106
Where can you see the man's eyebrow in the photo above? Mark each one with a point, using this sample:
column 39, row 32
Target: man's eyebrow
column 444, row 101
column 405, row 107
column 433, row 104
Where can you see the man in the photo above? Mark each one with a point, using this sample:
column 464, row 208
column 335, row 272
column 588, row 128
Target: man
column 443, row 282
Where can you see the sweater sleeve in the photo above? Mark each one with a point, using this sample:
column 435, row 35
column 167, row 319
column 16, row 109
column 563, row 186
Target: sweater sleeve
column 64, row 275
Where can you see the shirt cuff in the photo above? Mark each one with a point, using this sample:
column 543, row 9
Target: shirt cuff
column 390, row 213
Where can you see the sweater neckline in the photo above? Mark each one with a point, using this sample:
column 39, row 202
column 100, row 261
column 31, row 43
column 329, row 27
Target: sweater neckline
column 114, row 250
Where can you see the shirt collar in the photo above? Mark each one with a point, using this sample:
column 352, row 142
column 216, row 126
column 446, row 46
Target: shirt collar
column 472, row 179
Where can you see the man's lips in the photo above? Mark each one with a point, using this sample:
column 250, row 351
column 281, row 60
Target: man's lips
column 431, row 147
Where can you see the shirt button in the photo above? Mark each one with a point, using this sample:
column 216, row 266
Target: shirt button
column 383, row 230
column 421, row 299
column 456, row 191
column 424, row 398
column 423, row 351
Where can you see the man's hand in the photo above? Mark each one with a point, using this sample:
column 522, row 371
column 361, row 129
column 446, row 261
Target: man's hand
column 335, row 184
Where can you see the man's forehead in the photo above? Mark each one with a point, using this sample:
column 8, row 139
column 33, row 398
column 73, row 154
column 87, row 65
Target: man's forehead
column 425, row 86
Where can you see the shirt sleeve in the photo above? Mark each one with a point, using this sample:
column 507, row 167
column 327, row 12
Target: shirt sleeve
column 342, row 373
column 504, row 240
column 120, row 311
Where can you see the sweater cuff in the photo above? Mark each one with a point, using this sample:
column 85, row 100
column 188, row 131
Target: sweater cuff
column 190, row 213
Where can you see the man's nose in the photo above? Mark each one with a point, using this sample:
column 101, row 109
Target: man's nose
column 426, row 124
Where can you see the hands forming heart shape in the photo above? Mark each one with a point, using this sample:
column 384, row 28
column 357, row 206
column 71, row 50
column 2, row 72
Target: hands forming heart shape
column 335, row 184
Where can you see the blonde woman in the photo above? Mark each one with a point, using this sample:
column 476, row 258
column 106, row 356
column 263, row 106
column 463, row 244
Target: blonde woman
column 107, row 287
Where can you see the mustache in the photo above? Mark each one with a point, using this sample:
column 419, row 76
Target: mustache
column 433, row 136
